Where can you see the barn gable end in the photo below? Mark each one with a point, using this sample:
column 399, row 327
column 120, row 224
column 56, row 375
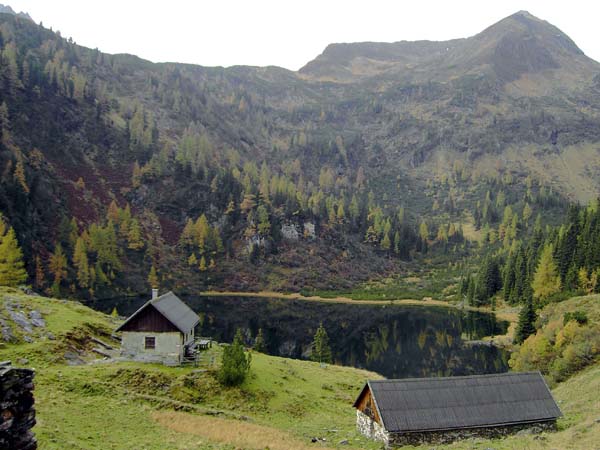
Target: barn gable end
column 149, row 319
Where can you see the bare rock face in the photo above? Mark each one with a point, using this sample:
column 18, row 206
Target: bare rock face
column 17, row 414
column 290, row 232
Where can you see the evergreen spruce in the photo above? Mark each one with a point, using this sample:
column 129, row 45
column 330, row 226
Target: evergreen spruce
column 321, row 351
column 527, row 318
column 259, row 342
column 235, row 364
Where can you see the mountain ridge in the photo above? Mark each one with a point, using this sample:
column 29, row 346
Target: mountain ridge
column 520, row 40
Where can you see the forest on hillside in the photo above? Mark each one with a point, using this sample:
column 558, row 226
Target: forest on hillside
column 138, row 174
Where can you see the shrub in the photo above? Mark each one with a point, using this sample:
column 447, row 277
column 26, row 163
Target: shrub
column 536, row 353
column 578, row 316
column 560, row 348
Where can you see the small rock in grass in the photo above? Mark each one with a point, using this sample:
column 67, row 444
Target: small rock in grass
column 40, row 323
column 73, row 359
column 23, row 361
column 28, row 339
column 343, row 442
column 21, row 320
column 36, row 319
column 7, row 334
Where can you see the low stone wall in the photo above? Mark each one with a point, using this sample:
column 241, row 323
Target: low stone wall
column 17, row 414
column 448, row 436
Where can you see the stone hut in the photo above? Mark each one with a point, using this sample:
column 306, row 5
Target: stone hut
column 440, row 410
column 162, row 330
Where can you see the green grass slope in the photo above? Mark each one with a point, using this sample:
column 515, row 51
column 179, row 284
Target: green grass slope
column 100, row 405
column 283, row 404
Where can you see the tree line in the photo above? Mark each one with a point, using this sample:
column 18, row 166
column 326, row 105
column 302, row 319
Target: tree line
column 548, row 264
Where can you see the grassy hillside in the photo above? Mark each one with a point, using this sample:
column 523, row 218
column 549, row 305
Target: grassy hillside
column 111, row 405
column 284, row 403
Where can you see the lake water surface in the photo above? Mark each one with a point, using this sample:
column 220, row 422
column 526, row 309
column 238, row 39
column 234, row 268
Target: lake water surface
column 394, row 340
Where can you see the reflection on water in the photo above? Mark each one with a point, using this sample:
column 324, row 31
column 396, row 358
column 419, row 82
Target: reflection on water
column 395, row 341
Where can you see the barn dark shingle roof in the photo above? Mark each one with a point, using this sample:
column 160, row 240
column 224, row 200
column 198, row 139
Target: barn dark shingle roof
column 428, row 404
column 173, row 309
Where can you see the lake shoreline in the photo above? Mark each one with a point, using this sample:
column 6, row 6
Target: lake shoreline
column 505, row 313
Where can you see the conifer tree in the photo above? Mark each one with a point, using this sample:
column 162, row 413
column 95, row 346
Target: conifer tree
column 397, row 243
column 320, row 347
column 192, row 260
column 153, row 277
column 136, row 177
column 386, row 243
column 134, row 236
column 264, row 225
column 80, row 260
column 527, row 318
column 20, row 176
column 202, row 265
column 424, row 232
column 12, row 272
column 39, row 273
column 202, row 234
column 235, row 364
column 187, row 235
column 58, row 268
column 113, row 212
column 259, row 342
column 546, row 280
column 488, row 281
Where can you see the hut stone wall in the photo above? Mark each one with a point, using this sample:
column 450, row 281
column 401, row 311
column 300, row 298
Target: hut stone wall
column 168, row 347
column 373, row 430
column 448, row 436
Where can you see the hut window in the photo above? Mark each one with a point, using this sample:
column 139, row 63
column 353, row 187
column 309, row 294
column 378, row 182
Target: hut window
column 150, row 342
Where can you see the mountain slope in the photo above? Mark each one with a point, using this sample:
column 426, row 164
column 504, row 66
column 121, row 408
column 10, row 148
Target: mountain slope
column 318, row 183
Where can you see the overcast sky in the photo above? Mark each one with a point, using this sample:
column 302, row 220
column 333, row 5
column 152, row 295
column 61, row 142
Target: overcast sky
column 287, row 33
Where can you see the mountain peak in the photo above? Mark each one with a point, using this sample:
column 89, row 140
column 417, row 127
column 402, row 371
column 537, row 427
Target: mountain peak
column 512, row 47
column 6, row 9
column 525, row 14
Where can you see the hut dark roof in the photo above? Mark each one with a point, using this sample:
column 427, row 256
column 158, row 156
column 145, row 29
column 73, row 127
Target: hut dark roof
column 429, row 404
column 171, row 308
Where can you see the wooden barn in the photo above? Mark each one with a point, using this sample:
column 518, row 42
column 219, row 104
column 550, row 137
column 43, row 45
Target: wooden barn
column 440, row 410
column 162, row 330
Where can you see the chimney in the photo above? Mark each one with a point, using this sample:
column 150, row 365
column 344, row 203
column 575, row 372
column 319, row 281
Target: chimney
column 154, row 293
